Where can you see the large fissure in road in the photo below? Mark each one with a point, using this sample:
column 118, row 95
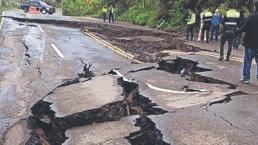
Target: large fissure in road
column 48, row 129
column 190, row 69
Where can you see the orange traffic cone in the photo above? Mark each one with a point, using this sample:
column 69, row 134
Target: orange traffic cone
column 34, row 10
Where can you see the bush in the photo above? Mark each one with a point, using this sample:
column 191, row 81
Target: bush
column 81, row 7
column 140, row 16
column 154, row 13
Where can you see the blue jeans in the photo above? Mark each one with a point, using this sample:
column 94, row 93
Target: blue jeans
column 250, row 54
column 215, row 31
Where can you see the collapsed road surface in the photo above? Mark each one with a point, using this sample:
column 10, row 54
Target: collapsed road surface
column 61, row 85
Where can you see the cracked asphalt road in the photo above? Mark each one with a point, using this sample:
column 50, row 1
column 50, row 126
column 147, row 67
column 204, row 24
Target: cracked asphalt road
column 37, row 108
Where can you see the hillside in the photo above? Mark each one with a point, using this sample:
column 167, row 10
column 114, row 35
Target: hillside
column 153, row 13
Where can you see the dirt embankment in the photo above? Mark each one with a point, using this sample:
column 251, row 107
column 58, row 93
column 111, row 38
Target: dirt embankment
column 147, row 45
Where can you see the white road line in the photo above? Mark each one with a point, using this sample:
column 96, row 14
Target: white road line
column 2, row 22
column 40, row 28
column 172, row 91
column 16, row 72
column 160, row 89
column 57, row 50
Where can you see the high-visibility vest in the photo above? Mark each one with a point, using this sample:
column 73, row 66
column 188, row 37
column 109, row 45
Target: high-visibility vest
column 112, row 10
column 191, row 19
column 207, row 16
column 104, row 10
column 232, row 17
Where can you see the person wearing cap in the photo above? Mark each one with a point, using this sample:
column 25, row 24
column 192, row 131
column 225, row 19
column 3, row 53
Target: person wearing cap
column 215, row 23
column 207, row 15
column 250, row 43
column 230, row 23
column 104, row 12
column 191, row 20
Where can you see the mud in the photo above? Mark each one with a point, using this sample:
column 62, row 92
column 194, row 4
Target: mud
column 142, row 43
column 48, row 129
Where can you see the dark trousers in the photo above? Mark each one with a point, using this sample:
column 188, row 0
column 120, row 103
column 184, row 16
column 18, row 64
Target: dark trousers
column 111, row 18
column 228, row 35
column 206, row 28
column 189, row 32
column 104, row 17
column 215, row 32
column 237, row 40
column 250, row 54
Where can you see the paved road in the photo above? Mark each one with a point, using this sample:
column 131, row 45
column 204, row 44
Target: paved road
column 36, row 58
column 33, row 55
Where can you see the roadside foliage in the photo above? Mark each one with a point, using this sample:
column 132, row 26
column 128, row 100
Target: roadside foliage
column 154, row 13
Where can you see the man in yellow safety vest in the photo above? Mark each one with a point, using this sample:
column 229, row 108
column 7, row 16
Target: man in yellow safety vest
column 230, row 24
column 207, row 16
column 191, row 20
column 104, row 11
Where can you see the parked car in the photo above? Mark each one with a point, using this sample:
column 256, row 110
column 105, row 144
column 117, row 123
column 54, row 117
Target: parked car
column 40, row 5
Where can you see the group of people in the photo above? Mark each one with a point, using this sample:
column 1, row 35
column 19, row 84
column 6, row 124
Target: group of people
column 230, row 27
column 108, row 12
column 209, row 24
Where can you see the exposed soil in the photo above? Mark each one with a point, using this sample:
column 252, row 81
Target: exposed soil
column 145, row 44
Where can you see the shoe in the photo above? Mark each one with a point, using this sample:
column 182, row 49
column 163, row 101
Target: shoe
column 245, row 81
column 221, row 59
column 227, row 59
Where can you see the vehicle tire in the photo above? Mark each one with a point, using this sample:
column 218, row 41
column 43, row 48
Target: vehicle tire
column 43, row 11
column 50, row 13
column 26, row 10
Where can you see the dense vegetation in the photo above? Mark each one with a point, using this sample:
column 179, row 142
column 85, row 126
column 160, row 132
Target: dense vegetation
column 153, row 13
column 8, row 4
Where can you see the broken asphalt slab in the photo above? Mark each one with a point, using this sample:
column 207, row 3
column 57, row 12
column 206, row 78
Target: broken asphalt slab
column 84, row 96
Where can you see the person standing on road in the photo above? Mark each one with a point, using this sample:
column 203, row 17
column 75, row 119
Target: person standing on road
column 230, row 23
column 191, row 20
column 207, row 15
column 215, row 22
column 104, row 11
column 201, row 26
column 250, row 43
column 111, row 12
column 239, row 34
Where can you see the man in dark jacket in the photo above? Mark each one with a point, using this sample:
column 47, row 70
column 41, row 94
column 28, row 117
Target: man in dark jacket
column 250, row 43
column 230, row 23
column 207, row 15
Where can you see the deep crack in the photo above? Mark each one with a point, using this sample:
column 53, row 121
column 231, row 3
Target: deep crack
column 48, row 127
column 27, row 55
column 147, row 135
column 190, row 68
